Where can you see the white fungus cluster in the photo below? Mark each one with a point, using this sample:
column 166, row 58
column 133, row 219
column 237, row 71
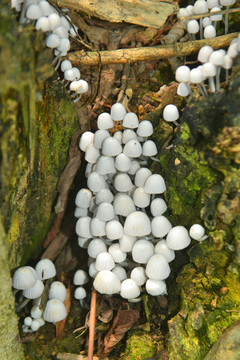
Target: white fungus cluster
column 206, row 26
column 59, row 30
column 31, row 282
column 120, row 214
column 212, row 62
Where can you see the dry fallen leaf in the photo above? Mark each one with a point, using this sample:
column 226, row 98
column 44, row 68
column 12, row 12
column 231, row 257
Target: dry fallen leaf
column 123, row 321
column 60, row 324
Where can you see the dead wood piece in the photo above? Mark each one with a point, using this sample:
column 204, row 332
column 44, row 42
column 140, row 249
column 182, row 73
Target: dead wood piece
column 123, row 56
column 68, row 356
column 61, row 324
column 55, row 247
column 141, row 12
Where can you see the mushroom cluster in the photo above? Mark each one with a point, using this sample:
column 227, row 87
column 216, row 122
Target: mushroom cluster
column 212, row 62
column 31, row 282
column 59, row 31
column 206, row 27
column 121, row 221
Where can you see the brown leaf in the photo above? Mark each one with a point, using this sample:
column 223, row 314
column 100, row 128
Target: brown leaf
column 121, row 324
column 60, row 324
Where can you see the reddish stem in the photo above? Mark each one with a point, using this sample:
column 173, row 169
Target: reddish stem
column 92, row 319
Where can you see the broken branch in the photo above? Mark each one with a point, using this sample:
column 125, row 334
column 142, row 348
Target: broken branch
column 123, row 56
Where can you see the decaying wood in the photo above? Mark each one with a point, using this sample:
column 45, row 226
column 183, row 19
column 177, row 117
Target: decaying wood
column 123, row 56
column 68, row 356
column 141, row 12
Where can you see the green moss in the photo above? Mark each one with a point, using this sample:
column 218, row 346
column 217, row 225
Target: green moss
column 139, row 346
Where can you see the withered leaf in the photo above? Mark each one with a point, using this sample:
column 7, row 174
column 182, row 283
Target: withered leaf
column 60, row 324
column 123, row 321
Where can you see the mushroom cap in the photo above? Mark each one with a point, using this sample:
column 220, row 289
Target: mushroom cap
column 55, row 20
column 106, row 282
column 83, row 198
column 122, row 162
column 105, row 211
column 105, row 165
column 35, row 291
column 122, row 182
column 128, row 134
column 170, row 112
column 196, row 231
column 209, row 32
column 114, row 230
column 79, row 212
column 104, row 121
column 126, row 242
column 182, row 73
column 117, row 254
column 129, row 289
column 145, row 128
column 149, row 148
column 104, row 195
column 157, row 267
column 160, row 226
column 178, row 238
column 83, row 86
column 54, row 311
column 57, row 291
column 86, row 138
column 132, row 148
column 142, row 251
column 33, row 12
column 120, row 272
column 196, row 76
column 158, row 206
column 141, row 176
column 80, row 277
column 138, row 274
column 95, row 247
column 24, row 278
column 130, row 120
column 118, row 112
column 162, row 248
column 99, row 136
column 140, row 198
column 216, row 17
column 204, row 53
column 111, row 147
column 193, row 26
column 80, row 293
column 156, row 287
column 95, row 182
column 42, row 24
column 155, row 184
column 82, row 227
column 45, row 269
column 52, row 41
column 97, row 227
column 137, row 224
column 209, row 70
column 200, row 7
column 104, row 261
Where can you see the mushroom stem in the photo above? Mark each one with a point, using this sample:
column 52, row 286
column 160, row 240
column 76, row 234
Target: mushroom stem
column 200, row 89
column 218, row 70
column 211, row 84
column 154, row 158
column 227, row 77
column 22, row 305
column 226, row 20
column 204, row 88
column 201, row 28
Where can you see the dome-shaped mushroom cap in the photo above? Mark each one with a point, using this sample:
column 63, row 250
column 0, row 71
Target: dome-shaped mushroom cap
column 83, row 86
column 45, row 269
column 170, row 113
column 104, row 261
column 141, row 176
column 106, row 282
column 178, row 238
column 54, row 311
column 92, row 154
column 35, row 291
column 95, row 247
column 46, row 8
column 122, row 182
column 132, row 148
column 155, row 184
column 217, row 58
column 200, row 7
column 120, row 272
column 114, row 230
column 105, row 165
column 57, row 291
column 34, row 12
column 156, row 287
column 86, row 139
column 196, row 76
column 182, row 73
column 24, row 278
column 99, row 136
column 52, row 41
column 209, row 32
column 42, row 24
column 149, row 148
column 80, row 293
column 196, row 231
column 122, row 162
column 118, row 112
column 160, row 226
column 129, row 289
column 134, row 167
column 130, row 120
column 140, row 198
column 97, row 227
column 105, row 211
column 158, row 206
column 126, row 242
column 162, row 248
column 117, row 254
column 80, row 277
column 82, row 227
column 104, row 195
column 192, row 27
column 204, row 53
column 83, row 198
column 137, row 224
column 217, row 17
column 127, row 135
column 95, row 182
column 104, row 121
column 142, row 250
column 157, row 267
column 111, row 147
column 208, row 70
column 145, row 128
column 138, row 274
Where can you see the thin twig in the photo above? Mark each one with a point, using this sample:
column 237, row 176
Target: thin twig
column 92, row 319
column 123, row 56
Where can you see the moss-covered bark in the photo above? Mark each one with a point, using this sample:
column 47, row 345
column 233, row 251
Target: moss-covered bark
column 37, row 122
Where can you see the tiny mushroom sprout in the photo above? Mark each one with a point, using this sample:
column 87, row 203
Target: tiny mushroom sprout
column 171, row 114
column 197, row 232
